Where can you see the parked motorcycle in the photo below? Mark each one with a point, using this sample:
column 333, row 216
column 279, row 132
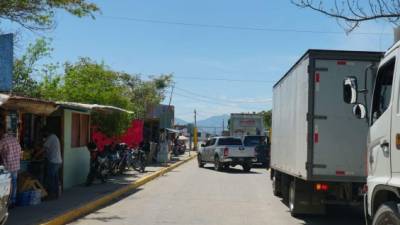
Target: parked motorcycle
column 113, row 158
column 98, row 165
column 138, row 160
column 131, row 158
column 125, row 156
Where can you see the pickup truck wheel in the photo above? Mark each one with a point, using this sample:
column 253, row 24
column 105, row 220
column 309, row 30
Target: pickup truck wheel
column 199, row 161
column 387, row 214
column 217, row 164
column 246, row 167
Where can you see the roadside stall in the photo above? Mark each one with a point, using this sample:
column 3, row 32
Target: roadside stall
column 76, row 135
column 24, row 118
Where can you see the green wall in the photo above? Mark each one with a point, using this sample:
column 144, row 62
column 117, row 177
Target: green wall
column 76, row 160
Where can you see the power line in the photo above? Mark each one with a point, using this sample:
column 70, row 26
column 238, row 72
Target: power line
column 224, row 79
column 214, row 102
column 203, row 100
column 231, row 27
column 219, row 99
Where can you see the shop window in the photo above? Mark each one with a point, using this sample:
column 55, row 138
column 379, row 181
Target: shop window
column 80, row 130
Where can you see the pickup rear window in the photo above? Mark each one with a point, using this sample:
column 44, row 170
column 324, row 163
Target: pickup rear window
column 229, row 141
column 250, row 141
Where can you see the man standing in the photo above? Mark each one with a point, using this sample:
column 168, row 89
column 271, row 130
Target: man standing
column 10, row 152
column 52, row 149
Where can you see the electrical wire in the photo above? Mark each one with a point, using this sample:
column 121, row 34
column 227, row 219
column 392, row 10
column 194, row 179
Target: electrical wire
column 224, row 79
column 230, row 27
column 219, row 99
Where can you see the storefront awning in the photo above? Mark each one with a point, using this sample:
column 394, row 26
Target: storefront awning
column 173, row 130
column 27, row 105
column 92, row 107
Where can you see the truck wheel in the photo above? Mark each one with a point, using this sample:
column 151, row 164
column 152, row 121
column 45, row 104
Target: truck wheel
column 199, row 161
column 217, row 164
column 275, row 187
column 246, row 167
column 292, row 199
column 387, row 214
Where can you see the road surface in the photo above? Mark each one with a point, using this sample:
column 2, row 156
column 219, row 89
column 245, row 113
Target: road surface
column 193, row 196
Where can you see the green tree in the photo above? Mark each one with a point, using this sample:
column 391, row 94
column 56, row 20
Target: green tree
column 39, row 14
column 90, row 82
column 87, row 81
column 144, row 94
column 267, row 115
column 26, row 68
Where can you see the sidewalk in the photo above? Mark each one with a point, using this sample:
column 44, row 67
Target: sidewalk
column 78, row 196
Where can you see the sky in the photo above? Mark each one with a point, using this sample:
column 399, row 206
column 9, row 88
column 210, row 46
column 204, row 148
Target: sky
column 217, row 70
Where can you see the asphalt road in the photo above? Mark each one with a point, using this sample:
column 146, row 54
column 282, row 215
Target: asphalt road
column 193, row 196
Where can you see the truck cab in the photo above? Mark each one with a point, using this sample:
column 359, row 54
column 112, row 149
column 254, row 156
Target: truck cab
column 382, row 198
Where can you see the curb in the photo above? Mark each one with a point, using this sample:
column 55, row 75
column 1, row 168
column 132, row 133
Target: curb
column 96, row 204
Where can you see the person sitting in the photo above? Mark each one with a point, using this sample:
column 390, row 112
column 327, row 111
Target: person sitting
column 94, row 165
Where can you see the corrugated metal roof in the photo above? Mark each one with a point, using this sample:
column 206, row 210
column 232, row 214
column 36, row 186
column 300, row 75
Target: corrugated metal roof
column 92, row 107
column 27, row 105
column 44, row 107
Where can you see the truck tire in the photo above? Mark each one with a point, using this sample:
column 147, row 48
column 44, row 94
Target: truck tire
column 246, row 167
column 199, row 161
column 217, row 164
column 387, row 214
column 293, row 205
column 276, row 190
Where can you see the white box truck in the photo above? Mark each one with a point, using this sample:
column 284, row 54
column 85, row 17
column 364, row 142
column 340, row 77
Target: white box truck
column 382, row 199
column 318, row 147
column 241, row 124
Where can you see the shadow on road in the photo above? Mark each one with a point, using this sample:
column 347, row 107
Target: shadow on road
column 231, row 170
column 104, row 219
column 336, row 215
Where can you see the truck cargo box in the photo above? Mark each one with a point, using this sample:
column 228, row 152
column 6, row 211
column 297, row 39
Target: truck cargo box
column 315, row 136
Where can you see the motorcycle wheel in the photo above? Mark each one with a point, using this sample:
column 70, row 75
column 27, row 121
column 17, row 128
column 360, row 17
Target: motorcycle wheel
column 122, row 168
column 142, row 167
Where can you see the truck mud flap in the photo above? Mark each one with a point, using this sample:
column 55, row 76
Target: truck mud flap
column 307, row 201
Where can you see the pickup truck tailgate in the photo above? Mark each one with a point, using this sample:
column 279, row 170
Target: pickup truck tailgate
column 240, row 151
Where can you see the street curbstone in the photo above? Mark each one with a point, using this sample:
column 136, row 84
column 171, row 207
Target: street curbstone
column 103, row 201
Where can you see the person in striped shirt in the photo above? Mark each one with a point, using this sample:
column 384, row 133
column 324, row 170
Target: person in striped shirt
column 10, row 152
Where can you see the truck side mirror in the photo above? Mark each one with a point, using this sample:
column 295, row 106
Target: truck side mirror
column 360, row 111
column 350, row 90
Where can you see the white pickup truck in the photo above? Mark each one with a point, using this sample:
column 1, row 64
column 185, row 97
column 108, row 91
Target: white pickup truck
column 224, row 152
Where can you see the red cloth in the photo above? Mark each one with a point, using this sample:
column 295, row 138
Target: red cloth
column 132, row 136
column 10, row 151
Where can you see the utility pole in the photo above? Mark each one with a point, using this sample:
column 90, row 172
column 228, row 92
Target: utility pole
column 195, row 130
column 195, row 118
column 172, row 92
column 223, row 127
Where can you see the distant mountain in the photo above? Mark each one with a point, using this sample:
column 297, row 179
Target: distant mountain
column 214, row 121
column 180, row 121
column 211, row 125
